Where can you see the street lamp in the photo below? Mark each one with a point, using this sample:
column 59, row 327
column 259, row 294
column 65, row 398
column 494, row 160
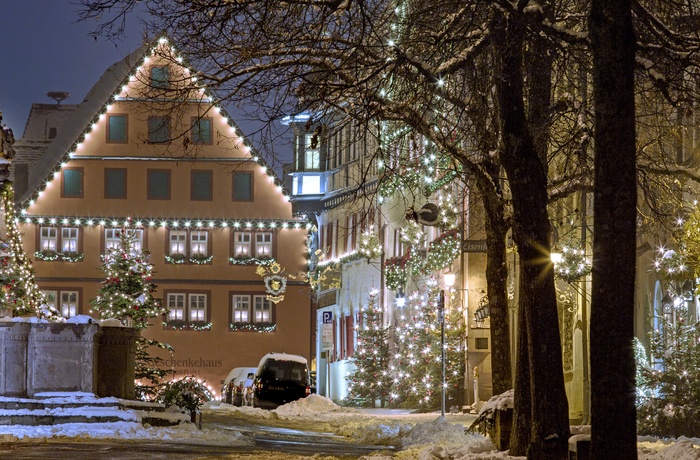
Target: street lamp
column 400, row 298
column 441, row 319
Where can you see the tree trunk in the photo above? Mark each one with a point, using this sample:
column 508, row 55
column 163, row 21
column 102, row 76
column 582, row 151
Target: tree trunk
column 613, row 415
column 522, row 414
column 527, row 178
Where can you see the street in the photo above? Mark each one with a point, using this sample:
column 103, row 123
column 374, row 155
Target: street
column 269, row 438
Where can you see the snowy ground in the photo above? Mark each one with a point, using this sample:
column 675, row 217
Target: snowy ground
column 421, row 436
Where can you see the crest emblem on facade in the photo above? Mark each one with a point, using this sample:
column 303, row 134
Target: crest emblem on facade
column 275, row 281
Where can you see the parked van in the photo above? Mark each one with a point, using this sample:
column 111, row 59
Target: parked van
column 237, row 387
column 279, row 379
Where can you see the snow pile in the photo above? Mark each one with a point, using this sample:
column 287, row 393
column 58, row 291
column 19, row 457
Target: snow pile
column 312, row 404
column 680, row 449
column 498, row 402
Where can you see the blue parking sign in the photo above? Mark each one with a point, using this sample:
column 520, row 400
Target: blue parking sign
column 327, row 317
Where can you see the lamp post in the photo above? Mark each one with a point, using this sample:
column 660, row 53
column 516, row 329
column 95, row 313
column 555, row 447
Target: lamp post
column 449, row 280
column 441, row 319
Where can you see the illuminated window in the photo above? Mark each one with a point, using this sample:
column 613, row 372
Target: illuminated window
column 263, row 310
column 69, row 304
column 312, row 159
column 241, row 309
column 242, row 244
column 198, row 243
column 188, row 310
column 50, row 298
column 178, row 242
column 69, row 240
column 176, row 305
column 48, row 240
column 263, row 245
column 197, row 307
column 112, row 239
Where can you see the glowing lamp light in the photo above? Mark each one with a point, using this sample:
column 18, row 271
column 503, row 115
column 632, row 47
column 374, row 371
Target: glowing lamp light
column 555, row 257
column 449, row 279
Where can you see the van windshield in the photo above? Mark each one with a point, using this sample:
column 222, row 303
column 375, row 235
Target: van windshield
column 285, row 370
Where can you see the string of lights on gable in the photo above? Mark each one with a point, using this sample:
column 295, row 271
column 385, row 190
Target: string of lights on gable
column 85, row 135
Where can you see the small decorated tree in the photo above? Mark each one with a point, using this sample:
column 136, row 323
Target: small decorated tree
column 370, row 380
column 127, row 294
column 417, row 363
column 127, row 291
column 670, row 396
column 19, row 294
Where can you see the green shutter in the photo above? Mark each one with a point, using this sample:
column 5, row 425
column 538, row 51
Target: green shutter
column 72, row 182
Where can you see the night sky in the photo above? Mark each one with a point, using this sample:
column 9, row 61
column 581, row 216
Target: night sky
column 45, row 49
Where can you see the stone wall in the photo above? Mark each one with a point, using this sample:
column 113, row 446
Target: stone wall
column 64, row 357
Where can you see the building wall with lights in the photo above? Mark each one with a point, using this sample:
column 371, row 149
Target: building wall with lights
column 229, row 256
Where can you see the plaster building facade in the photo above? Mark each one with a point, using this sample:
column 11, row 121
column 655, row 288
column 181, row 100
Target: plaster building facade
column 216, row 220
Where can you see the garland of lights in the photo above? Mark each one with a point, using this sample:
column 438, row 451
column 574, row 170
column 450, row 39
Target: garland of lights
column 119, row 222
column 247, row 327
column 395, row 276
column 50, row 256
column 369, row 245
column 573, row 265
column 251, row 260
column 181, row 325
column 200, row 259
column 443, row 250
column 412, row 234
column 176, row 259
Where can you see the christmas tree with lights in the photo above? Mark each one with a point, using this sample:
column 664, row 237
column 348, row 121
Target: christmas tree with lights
column 370, row 380
column 127, row 294
column 669, row 400
column 127, row 291
column 417, row 364
column 20, row 295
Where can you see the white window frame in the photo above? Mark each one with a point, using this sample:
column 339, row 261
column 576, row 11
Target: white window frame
column 197, row 307
column 111, row 239
column 48, row 238
column 177, row 241
column 50, row 296
column 68, row 303
column 69, row 239
column 262, row 310
column 198, row 243
column 241, row 309
column 177, row 306
column 263, row 244
column 312, row 157
column 242, row 242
